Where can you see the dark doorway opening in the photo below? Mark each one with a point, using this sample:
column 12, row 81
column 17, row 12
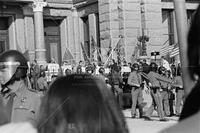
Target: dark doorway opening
column 4, row 42
column 52, row 39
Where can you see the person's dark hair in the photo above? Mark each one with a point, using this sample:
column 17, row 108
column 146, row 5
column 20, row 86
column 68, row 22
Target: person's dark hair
column 193, row 51
column 80, row 103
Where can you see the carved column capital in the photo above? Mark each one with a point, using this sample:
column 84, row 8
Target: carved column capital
column 38, row 6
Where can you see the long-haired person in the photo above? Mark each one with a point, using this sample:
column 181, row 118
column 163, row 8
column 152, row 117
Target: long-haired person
column 80, row 104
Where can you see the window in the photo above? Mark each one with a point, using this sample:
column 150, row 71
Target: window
column 168, row 20
column 86, row 35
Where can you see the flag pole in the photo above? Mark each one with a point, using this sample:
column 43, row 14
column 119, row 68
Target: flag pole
column 182, row 30
column 108, row 57
column 111, row 53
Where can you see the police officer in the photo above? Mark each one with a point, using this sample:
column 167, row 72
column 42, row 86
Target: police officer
column 135, row 81
column 21, row 102
column 154, row 79
column 164, row 91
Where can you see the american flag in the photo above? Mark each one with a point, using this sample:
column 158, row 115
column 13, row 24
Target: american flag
column 167, row 49
column 174, row 52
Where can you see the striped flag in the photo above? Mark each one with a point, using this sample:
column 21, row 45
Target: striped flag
column 174, row 52
column 167, row 49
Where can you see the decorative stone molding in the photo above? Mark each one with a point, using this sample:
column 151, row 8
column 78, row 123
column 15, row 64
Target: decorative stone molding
column 38, row 6
column 74, row 12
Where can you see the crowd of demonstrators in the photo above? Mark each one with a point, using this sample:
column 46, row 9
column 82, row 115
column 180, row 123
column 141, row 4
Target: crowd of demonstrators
column 141, row 75
column 22, row 100
column 165, row 86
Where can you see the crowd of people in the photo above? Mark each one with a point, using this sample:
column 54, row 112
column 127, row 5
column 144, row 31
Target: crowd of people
column 90, row 100
column 162, row 82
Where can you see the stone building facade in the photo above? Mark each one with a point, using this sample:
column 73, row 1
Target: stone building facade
column 55, row 29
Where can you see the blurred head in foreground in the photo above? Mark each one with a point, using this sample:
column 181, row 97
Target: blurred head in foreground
column 193, row 51
column 80, row 104
column 191, row 106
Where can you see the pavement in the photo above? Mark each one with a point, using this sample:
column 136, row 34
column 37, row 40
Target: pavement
column 141, row 126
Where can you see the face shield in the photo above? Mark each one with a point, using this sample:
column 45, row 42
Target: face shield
column 7, row 70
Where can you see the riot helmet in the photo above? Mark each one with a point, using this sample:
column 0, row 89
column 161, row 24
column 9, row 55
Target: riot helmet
column 13, row 66
column 161, row 70
column 135, row 67
column 153, row 67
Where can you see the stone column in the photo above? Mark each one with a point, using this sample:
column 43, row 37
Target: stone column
column 40, row 50
column 93, row 35
column 75, row 20
column 109, row 26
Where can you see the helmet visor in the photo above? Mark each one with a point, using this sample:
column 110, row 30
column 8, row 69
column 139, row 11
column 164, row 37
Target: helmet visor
column 7, row 70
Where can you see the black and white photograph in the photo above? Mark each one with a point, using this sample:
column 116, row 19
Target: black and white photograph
column 99, row 66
